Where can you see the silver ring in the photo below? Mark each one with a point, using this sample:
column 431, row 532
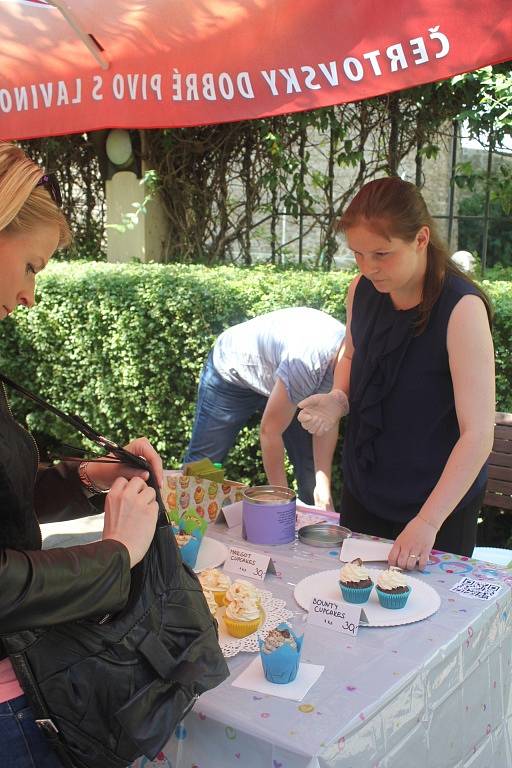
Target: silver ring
column 415, row 556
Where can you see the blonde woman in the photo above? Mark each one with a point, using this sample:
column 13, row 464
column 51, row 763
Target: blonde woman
column 45, row 588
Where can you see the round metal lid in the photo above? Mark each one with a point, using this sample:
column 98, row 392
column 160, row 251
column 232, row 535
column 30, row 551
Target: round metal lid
column 323, row 534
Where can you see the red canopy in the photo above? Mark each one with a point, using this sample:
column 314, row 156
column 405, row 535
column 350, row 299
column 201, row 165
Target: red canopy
column 89, row 64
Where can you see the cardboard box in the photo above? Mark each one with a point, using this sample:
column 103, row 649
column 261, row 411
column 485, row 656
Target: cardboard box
column 206, row 497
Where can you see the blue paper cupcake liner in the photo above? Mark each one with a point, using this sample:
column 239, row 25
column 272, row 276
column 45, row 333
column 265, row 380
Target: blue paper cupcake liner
column 393, row 600
column 189, row 552
column 355, row 594
column 281, row 666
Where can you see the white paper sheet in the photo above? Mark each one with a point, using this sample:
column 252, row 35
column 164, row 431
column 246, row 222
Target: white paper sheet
column 368, row 551
column 253, row 679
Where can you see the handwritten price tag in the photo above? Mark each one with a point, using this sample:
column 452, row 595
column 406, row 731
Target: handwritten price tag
column 340, row 617
column 251, row 565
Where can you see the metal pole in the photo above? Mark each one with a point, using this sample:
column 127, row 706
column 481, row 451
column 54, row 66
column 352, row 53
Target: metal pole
column 485, row 234
column 455, row 135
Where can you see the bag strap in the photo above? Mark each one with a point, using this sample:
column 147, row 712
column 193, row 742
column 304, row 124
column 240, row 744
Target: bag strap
column 105, row 443
column 42, row 717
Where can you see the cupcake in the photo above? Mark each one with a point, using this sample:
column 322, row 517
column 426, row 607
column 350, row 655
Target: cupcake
column 239, row 589
column 172, row 499
column 392, row 588
column 216, row 581
column 355, row 582
column 188, row 546
column 243, row 617
column 213, row 510
column 211, row 601
column 198, row 494
column 280, row 654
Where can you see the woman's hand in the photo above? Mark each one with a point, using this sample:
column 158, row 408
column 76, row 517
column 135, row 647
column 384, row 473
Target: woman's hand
column 321, row 413
column 414, row 545
column 131, row 513
column 103, row 474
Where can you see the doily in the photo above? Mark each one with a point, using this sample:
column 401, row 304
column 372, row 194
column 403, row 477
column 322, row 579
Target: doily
column 275, row 612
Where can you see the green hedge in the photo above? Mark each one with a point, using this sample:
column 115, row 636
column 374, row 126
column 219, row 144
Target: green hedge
column 123, row 345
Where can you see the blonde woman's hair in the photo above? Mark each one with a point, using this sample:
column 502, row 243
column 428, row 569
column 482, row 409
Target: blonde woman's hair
column 23, row 205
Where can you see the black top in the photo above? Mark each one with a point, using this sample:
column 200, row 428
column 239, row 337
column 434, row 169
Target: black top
column 403, row 424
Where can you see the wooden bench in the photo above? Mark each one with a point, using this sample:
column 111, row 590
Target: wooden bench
column 499, row 485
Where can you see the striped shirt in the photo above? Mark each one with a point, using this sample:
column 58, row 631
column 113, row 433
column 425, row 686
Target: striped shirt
column 296, row 345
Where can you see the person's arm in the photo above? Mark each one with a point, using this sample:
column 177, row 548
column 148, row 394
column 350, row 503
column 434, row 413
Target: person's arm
column 59, row 495
column 320, row 413
column 323, row 452
column 471, row 360
column 277, row 416
column 43, row 588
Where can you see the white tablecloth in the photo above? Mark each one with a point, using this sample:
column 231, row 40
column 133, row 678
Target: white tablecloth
column 435, row 694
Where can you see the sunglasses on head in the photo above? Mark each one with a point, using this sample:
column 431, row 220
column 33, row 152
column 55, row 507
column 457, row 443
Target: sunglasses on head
column 50, row 183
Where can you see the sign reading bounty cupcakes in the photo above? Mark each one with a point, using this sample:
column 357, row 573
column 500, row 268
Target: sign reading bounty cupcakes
column 334, row 615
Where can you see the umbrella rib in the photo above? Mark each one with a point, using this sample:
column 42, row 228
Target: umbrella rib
column 88, row 41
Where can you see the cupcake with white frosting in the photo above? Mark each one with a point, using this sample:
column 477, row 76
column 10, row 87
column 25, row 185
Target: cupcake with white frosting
column 210, row 600
column 216, row 581
column 280, row 654
column 239, row 589
column 243, row 617
column 392, row 588
column 355, row 582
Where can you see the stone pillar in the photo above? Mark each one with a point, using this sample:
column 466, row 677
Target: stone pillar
column 146, row 240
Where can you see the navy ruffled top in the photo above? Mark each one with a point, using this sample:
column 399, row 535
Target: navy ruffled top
column 402, row 424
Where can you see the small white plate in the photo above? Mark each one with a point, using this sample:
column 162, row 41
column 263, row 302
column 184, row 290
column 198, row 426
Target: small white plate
column 212, row 553
column 422, row 603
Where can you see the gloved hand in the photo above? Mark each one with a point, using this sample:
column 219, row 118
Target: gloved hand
column 320, row 413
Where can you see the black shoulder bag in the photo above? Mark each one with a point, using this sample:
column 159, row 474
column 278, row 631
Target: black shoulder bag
column 106, row 691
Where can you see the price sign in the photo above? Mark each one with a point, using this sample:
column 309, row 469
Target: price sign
column 251, row 565
column 340, row 617
column 231, row 514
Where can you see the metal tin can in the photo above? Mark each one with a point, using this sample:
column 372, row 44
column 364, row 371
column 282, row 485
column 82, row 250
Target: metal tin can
column 268, row 514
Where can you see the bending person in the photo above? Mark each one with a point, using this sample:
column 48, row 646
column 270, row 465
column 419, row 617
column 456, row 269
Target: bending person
column 418, row 368
column 267, row 365
column 40, row 589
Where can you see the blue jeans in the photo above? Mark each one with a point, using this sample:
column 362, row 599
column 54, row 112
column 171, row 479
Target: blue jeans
column 22, row 745
column 223, row 409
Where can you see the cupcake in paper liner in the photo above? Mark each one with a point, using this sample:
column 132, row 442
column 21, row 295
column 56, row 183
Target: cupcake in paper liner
column 189, row 547
column 243, row 617
column 355, row 582
column 280, row 654
column 392, row 588
column 210, row 601
column 216, row 581
column 241, row 588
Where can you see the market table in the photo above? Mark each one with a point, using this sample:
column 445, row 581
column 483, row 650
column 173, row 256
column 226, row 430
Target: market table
column 434, row 694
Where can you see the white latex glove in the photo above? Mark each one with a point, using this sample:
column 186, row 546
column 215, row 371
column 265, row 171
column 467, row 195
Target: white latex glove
column 320, row 413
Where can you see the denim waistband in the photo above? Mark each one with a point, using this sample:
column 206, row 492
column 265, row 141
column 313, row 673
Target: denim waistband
column 13, row 705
